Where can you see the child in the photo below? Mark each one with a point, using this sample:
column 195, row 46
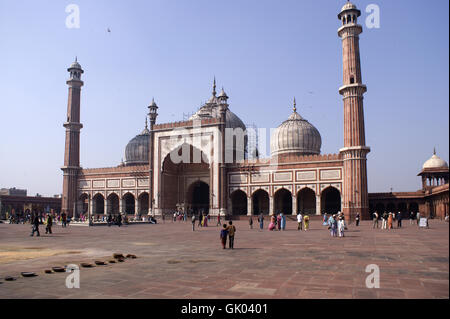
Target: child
column 223, row 236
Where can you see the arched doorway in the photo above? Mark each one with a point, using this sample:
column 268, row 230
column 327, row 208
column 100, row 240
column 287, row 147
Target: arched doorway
column 143, row 203
column 283, row 202
column 113, row 204
column 306, row 201
column 238, row 203
column 99, row 204
column 197, row 197
column 179, row 168
column 128, row 204
column 260, row 200
column 330, row 201
column 84, row 204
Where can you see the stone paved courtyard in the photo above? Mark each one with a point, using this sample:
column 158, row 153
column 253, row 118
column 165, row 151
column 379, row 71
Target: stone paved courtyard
column 174, row 262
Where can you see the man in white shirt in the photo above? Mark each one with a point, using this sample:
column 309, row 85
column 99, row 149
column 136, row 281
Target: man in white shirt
column 299, row 220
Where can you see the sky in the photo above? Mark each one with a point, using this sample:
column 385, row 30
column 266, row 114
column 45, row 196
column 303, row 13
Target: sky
column 262, row 52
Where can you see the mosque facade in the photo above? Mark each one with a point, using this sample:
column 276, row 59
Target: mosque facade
column 202, row 165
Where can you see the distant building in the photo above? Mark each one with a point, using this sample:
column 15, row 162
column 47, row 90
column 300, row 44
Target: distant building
column 19, row 204
column 13, row 192
column 432, row 200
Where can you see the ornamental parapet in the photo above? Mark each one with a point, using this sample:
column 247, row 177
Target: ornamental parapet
column 188, row 124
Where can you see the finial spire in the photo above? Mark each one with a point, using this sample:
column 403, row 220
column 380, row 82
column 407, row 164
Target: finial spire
column 434, row 150
column 214, row 86
column 295, row 105
column 76, row 59
column 146, row 123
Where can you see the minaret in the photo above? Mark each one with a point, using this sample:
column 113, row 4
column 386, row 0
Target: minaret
column 152, row 114
column 71, row 166
column 223, row 185
column 355, row 194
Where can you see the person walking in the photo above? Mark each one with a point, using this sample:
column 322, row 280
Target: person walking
column 35, row 223
column 231, row 231
column 218, row 220
column 223, row 236
column 283, row 221
column 341, row 225
column 325, row 220
column 390, row 220
column 332, row 225
column 384, row 219
column 357, row 219
column 399, row 220
column 411, row 218
column 109, row 220
column 375, row 220
column 418, row 218
column 200, row 219
column 48, row 229
column 306, row 221
column 64, row 219
column 261, row 221
column 299, row 221
column 273, row 221
column 163, row 217
column 279, row 221
column 250, row 222
column 119, row 220
column 193, row 222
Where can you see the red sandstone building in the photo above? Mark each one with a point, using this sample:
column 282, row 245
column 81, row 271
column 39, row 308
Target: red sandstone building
column 296, row 177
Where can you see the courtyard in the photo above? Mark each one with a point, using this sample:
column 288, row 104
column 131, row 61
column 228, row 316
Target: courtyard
column 175, row 262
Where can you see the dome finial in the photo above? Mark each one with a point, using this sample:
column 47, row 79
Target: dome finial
column 146, row 123
column 214, row 86
column 434, row 151
column 295, row 105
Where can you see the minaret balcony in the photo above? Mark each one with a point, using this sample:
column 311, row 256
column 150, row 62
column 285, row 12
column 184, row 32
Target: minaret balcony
column 355, row 88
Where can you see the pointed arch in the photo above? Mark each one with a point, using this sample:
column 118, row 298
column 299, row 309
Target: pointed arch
column 283, row 201
column 330, row 200
column 306, row 201
column 238, row 202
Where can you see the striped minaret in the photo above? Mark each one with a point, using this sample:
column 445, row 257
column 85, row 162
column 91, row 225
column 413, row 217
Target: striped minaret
column 355, row 194
column 73, row 126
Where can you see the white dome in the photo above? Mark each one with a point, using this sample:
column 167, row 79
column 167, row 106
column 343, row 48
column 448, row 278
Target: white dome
column 297, row 136
column 435, row 162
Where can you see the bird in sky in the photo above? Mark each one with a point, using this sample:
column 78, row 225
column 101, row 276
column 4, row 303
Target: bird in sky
column 109, row 30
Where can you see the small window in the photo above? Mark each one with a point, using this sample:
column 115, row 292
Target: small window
column 352, row 80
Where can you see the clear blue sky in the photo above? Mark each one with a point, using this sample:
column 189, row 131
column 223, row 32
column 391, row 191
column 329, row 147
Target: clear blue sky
column 262, row 52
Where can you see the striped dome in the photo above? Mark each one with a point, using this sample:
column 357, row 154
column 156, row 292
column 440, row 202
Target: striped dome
column 295, row 136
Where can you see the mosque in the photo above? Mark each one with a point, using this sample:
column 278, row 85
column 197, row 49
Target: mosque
column 186, row 165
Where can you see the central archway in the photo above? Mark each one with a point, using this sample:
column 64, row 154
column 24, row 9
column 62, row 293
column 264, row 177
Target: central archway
column 179, row 185
column 197, row 197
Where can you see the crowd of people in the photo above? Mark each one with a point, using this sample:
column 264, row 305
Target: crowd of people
column 388, row 219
